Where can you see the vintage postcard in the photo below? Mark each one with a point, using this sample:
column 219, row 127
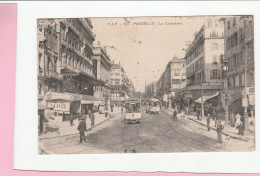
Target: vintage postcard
column 146, row 85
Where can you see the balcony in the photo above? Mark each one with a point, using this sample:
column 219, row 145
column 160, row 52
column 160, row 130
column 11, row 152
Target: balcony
column 89, row 30
column 53, row 74
column 78, row 53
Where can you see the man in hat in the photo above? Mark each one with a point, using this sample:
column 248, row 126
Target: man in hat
column 220, row 127
column 208, row 122
column 82, row 129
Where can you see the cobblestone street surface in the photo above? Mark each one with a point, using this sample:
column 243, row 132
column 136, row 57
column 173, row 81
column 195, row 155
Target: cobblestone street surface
column 155, row 134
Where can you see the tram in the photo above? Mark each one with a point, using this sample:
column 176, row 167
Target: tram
column 133, row 111
column 154, row 106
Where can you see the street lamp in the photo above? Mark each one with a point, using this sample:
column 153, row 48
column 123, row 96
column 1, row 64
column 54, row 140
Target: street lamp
column 224, row 74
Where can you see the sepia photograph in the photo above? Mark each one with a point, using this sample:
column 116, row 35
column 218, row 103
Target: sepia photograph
column 146, row 84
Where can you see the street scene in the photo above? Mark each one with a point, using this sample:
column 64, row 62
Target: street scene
column 146, row 85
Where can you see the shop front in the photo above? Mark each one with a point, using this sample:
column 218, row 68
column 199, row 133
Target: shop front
column 63, row 105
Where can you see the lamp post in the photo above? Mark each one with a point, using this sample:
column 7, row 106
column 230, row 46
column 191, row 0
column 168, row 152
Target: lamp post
column 224, row 74
column 245, row 100
column 202, row 103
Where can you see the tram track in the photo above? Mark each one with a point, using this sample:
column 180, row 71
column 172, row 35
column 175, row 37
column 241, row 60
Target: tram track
column 192, row 139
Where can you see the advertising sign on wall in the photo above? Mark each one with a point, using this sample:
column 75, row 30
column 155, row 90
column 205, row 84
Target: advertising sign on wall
column 65, row 107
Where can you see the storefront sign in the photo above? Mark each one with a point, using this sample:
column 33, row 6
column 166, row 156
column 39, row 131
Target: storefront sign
column 188, row 96
column 65, row 107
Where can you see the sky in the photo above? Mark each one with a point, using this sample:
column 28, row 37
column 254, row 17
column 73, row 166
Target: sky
column 145, row 45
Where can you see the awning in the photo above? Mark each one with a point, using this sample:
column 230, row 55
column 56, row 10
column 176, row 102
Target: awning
column 62, row 96
column 205, row 98
column 86, row 102
column 85, row 99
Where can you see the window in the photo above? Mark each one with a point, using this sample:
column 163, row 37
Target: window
column 240, row 80
column 216, row 23
column 234, row 82
column 214, row 46
column 215, row 74
column 234, row 21
column 241, row 35
column 221, row 57
column 228, row 24
column 40, row 89
column 209, row 22
column 213, row 34
column 214, row 59
column 232, row 63
column 240, row 60
column 234, row 40
column 228, row 43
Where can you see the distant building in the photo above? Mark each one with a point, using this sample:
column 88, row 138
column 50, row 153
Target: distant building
column 172, row 80
column 203, row 61
column 239, row 51
column 120, row 84
column 178, row 75
column 151, row 90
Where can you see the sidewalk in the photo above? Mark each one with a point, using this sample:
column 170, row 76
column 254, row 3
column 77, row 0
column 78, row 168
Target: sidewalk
column 54, row 129
column 230, row 131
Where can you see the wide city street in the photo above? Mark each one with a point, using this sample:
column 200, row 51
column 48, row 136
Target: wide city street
column 155, row 134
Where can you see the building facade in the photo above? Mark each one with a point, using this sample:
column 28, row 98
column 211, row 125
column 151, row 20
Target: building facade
column 66, row 71
column 239, row 52
column 171, row 81
column 178, row 75
column 203, row 60
column 151, row 90
column 120, row 84
column 102, row 65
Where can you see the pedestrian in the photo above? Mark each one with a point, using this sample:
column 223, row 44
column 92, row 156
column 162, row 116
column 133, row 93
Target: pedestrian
column 71, row 119
column 92, row 118
column 232, row 119
column 174, row 114
column 82, row 129
column 208, row 122
column 198, row 113
column 220, row 127
column 239, row 124
column 122, row 109
column 215, row 116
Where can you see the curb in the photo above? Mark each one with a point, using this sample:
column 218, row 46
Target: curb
column 77, row 132
column 43, row 150
column 225, row 133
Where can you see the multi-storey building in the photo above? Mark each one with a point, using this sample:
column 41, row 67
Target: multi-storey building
column 120, row 84
column 102, row 64
column 76, row 50
column 203, row 61
column 239, row 51
column 66, row 76
column 178, row 75
column 172, row 80
column 151, row 90
column 49, row 77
